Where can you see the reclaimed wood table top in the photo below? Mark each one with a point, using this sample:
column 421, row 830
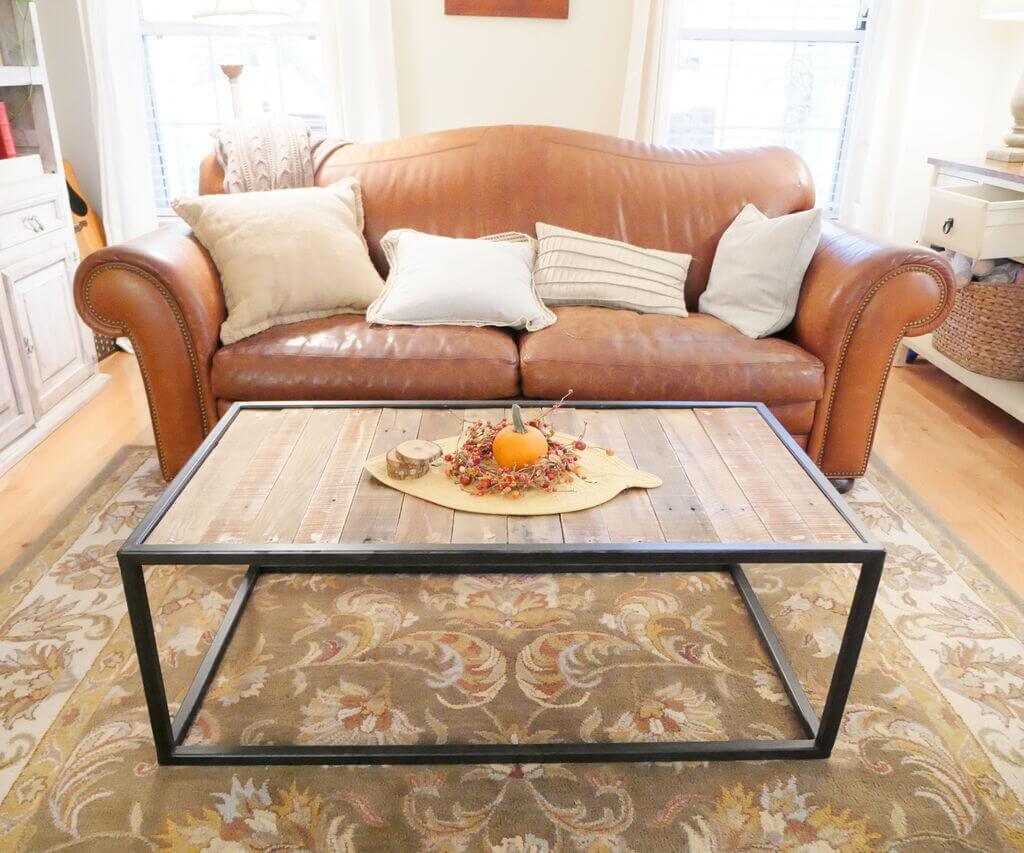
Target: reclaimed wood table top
column 294, row 475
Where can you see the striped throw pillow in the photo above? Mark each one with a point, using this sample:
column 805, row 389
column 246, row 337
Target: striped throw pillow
column 580, row 269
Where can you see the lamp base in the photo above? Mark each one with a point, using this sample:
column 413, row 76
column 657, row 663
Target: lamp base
column 1007, row 155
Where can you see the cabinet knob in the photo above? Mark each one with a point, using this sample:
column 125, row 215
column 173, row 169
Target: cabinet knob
column 29, row 349
column 947, row 226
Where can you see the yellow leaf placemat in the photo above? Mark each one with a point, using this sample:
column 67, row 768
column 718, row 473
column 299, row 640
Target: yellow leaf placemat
column 604, row 477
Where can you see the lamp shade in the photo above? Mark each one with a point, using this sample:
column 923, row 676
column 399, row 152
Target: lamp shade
column 247, row 13
column 1003, row 10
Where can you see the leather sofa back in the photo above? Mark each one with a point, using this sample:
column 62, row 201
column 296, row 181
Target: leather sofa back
column 484, row 180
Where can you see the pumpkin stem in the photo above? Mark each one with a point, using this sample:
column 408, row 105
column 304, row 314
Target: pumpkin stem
column 517, row 419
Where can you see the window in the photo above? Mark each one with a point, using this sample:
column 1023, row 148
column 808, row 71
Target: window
column 740, row 73
column 189, row 95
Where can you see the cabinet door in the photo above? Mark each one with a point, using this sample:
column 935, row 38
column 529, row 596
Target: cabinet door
column 47, row 327
column 15, row 411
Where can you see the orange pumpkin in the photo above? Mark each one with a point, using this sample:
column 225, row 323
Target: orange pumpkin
column 519, row 445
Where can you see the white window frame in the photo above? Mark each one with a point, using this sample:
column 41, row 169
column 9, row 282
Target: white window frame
column 672, row 33
column 309, row 29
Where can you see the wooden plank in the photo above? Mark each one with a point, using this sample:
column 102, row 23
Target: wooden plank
column 629, row 516
column 375, row 508
column 328, row 508
column 421, row 521
column 474, row 527
column 196, row 507
column 817, row 511
column 285, row 507
column 587, row 525
column 723, row 500
column 234, row 519
column 535, row 529
column 679, row 510
column 769, row 501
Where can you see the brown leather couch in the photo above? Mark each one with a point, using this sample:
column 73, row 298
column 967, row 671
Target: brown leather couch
column 823, row 377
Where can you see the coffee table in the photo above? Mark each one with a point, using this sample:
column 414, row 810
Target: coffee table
column 280, row 488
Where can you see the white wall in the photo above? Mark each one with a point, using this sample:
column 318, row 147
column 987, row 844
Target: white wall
column 456, row 71
column 960, row 97
column 65, row 63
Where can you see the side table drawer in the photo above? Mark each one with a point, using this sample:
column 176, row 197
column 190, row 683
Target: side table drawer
column 980, row 221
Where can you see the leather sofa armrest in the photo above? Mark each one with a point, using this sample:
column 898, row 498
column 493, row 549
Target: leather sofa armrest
column 860, row 298
column 164, row 293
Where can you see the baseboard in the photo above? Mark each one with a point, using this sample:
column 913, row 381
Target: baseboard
column 25, row 443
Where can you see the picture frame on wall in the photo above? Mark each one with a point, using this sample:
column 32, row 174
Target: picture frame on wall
column 508, row 8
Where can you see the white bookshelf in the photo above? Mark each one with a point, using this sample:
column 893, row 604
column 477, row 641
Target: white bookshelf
column 21, row 75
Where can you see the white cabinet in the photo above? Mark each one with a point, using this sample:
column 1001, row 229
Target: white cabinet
column 15, row 409
column 46, row 327
column 47, row 358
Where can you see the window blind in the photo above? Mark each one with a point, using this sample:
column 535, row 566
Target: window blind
column 766, row 72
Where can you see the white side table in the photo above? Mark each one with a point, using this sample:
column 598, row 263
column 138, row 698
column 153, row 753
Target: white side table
column 987, row 222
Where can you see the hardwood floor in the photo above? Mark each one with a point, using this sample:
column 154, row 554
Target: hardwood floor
column 36, row 490
column 963, row 458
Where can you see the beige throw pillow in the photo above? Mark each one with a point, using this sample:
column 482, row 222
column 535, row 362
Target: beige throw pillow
column 285, row 255
column 759, row 268
column 580, row 269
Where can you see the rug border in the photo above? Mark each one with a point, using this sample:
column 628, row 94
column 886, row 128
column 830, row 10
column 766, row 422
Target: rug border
column 63, row 518
column 923, row 507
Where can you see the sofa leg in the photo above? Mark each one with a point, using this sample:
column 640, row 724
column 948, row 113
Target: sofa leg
column 843, row 484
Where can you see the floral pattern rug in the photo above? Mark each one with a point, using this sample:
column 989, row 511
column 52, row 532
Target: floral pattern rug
column 930, row 757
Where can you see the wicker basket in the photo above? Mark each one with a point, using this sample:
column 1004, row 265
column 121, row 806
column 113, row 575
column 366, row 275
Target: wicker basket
column 985, row 331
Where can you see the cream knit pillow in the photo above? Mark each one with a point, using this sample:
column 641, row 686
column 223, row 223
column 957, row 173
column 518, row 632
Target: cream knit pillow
column 285, row 255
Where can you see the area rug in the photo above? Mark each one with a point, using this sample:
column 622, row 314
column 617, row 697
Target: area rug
column 930, row 757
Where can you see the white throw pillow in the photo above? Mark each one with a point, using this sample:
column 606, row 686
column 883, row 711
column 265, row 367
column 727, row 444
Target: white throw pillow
column 580, row 269
column 285, row 255
column 759, row 269
column 452, row 281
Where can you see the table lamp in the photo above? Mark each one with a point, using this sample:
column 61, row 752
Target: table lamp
column 1009, row 10
column 244, row 13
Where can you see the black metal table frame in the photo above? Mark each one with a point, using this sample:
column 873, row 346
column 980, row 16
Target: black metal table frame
column 169, row 734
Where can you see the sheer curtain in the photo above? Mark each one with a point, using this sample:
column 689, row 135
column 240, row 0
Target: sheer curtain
column 359, row 65
column 883, row 118
column 115, row 70
column 639, row 117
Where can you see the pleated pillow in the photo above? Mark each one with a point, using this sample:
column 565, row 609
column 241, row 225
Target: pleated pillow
column 580, row 269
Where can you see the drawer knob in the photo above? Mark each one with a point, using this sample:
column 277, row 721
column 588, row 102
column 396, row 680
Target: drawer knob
column 947, row 226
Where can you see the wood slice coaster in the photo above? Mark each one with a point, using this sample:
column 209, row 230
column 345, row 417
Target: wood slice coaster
column 411, row 459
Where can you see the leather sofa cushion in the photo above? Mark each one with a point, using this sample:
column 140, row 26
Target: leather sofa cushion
column 607, row 354
column 346, row 358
